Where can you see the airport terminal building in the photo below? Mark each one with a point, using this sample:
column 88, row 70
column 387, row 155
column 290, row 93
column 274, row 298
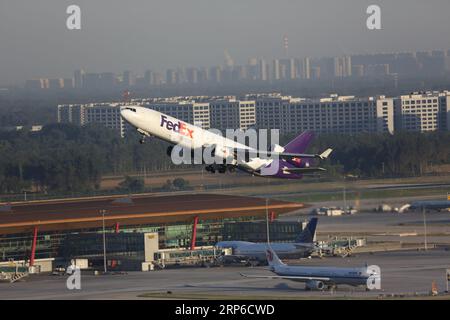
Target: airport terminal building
column 71, row 229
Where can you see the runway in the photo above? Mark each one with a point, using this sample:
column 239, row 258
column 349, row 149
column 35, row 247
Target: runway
column 376, row 227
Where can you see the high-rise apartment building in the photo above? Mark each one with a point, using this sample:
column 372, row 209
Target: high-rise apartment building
column 78, row 78
column 420, row 112
column 329, row 115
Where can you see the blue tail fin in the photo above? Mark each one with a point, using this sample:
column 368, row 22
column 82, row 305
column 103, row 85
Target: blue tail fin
column 307, row 235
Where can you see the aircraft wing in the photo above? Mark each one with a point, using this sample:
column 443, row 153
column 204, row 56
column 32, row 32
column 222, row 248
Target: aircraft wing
column 304, row 246
column 304, row 170
column 286, row 277
column 321, row 156
column 290, row 156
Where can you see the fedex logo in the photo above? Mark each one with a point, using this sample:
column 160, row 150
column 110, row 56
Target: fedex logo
column 179, row 127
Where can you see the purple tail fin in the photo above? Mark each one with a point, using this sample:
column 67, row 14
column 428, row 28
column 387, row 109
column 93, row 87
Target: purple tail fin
column 300, row 143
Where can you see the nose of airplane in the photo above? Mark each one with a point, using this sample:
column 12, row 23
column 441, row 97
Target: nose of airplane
column 124, row 113
column 131, row 114
column 127, row 114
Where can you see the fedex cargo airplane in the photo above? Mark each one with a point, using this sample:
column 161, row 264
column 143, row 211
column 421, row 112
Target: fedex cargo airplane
column 289, row 161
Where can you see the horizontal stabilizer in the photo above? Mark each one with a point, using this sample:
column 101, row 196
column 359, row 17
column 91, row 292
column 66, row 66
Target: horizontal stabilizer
column 325, row 154
column 290, row 156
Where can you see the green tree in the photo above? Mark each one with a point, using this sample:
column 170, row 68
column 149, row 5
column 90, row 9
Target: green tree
column 181, row 184
column 131, row 184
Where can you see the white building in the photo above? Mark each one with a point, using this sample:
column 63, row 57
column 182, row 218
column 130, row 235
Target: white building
column 336, row 114
column 188, row 111
column 107, row 114
column 72, row 113
column 232, row 114
column 421, row 112
column 247, row 114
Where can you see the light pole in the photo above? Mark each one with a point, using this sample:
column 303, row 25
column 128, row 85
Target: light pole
column 104, row 240
column 345, row 199
column 447, row 277
column 425, row 229
column 267, row 221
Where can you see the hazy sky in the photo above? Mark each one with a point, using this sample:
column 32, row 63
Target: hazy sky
column 156, row 34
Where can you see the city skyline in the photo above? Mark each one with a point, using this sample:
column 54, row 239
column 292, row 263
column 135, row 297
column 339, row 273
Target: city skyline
column 430, row 62
column 141, row 35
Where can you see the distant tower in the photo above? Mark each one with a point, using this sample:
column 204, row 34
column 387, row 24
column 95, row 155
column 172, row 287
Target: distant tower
column 228, row 59
column 286, row 45
column 263, row 72
column 78, row 78
column 128, row 79
column 306, row 68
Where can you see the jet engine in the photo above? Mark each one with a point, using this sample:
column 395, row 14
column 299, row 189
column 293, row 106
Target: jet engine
column 314, row 285
column 224, row 153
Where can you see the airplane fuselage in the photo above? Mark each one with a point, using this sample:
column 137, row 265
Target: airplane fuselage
column 347, row 276
column 257, row 251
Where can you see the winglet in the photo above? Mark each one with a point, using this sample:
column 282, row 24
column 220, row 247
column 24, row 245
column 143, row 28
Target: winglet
column 325, row 154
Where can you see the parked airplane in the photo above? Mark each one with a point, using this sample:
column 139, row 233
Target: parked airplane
column 438, row 205
column 255, row 253
column 282, row 162
column 317, row 278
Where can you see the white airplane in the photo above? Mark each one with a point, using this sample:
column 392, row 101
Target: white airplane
column 282, row 162
column 437, row 205
column 256, row 252
column 316, row 278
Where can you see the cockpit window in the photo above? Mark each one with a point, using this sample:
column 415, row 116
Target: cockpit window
column 131, row 109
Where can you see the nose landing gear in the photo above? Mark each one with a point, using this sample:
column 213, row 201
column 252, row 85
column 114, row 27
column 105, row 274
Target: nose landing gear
column 144, row 134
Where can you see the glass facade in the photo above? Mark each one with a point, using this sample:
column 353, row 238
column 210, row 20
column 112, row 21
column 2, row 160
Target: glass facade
column 256, row 231
column 129, row 242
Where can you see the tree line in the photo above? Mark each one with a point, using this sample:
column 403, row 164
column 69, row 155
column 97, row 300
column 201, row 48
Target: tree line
column 383, row 155
column 63, row 158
